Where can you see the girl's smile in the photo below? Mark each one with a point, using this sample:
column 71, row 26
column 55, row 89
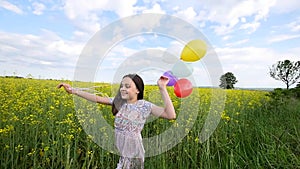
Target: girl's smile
column 128, row 90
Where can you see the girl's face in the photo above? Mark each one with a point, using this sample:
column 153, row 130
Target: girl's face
column 128, row 90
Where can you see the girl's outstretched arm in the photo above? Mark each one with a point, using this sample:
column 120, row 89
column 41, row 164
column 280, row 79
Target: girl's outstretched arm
column 168, row 110
column 85, row 95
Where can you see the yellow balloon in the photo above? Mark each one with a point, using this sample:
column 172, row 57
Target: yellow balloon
column 193, row 51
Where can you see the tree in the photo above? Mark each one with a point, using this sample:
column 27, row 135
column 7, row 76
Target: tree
column 286, row 71
column 227, row 81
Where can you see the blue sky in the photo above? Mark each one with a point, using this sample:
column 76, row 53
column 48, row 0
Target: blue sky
column 45, row 38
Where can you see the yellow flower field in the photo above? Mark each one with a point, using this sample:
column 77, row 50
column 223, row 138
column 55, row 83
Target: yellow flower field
column 41, row 127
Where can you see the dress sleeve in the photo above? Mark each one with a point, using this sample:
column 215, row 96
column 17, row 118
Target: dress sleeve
column 147, row 108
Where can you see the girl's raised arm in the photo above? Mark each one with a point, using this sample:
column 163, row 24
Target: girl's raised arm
column 168, row 110
column 85, row 95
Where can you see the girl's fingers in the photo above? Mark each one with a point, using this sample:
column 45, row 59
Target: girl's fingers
column 163, row 81
column 60, row 85
column 164, row 78
column 66, row 86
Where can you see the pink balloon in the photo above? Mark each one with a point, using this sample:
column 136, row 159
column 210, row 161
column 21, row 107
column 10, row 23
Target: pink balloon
column 172, row 79
column 183, row 88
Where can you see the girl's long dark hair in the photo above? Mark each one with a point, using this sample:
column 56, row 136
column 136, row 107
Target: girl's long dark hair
column 118, row 101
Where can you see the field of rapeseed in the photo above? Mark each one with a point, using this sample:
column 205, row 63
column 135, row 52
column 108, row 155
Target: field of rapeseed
column 39, row 128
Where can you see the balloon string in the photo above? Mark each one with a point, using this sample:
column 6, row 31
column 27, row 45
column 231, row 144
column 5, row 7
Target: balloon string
column 91, row 90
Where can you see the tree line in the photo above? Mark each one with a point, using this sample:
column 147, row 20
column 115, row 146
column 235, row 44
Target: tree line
column 286, row 71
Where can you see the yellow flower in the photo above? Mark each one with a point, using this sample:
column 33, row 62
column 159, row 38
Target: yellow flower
column 6, row 146
column 19, row 148
column 46, row 148
column 41, row 153
column 31, row 153
column 224, row 116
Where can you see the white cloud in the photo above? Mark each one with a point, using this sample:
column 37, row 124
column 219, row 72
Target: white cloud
column 38, row 8
column 294, row 26
column 191, row 15
column 225, row 16
column 46, row 54
column 156, row 8
column 222, row 16
column 86, row 15
column 286, row 6
column 11, row 7
column 227, row 37
column 252, row 27
column 236, row 43
column 229, row 14
column 283, row 37
column 224, row 12
column 222, row 29
column 188, row 14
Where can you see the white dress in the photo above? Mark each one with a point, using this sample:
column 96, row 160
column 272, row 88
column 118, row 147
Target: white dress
column 129, row 122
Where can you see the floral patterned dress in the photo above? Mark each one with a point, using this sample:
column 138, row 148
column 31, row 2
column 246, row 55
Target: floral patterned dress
column 129, row 122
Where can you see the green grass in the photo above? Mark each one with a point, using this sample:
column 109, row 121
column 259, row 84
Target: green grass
column 39, row 128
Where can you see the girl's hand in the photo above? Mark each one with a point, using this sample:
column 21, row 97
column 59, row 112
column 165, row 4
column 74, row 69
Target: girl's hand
column 163, row 81
column 67, row 87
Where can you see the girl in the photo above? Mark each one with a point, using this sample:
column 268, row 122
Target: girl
column 131, row 111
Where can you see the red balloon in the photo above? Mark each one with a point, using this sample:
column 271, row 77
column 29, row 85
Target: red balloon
column 183, row 88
